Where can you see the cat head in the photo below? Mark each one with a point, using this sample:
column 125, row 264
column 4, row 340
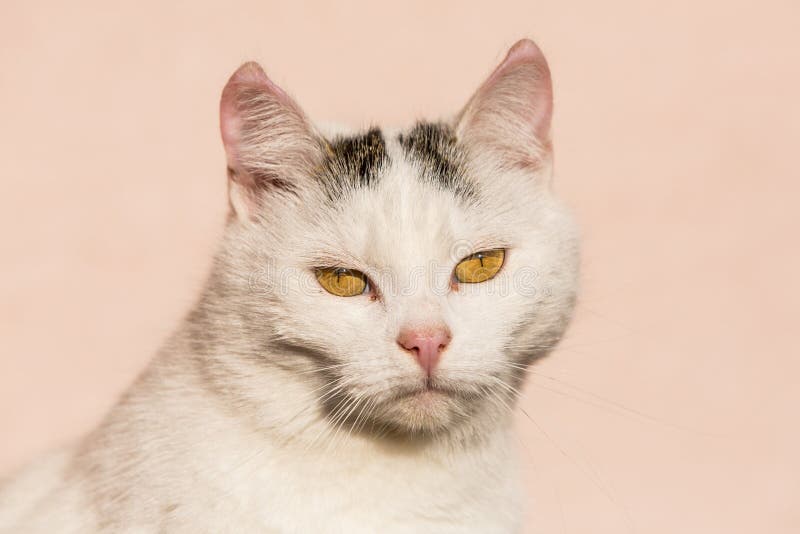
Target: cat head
column 400, row 281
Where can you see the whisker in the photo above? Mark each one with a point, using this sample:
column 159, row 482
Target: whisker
column 614, row 407
column 598, row 482
column 601, row 401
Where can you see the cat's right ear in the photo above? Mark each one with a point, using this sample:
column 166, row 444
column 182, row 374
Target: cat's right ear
column 269, row 142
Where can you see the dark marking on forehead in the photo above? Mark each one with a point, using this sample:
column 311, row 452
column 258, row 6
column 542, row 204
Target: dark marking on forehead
column 434, row 147
column 353, row 161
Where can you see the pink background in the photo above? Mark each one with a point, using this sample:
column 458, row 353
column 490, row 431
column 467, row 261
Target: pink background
column 677, row 137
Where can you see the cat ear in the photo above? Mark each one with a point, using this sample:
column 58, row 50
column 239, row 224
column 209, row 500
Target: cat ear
column 509, row 115
column 269, row 142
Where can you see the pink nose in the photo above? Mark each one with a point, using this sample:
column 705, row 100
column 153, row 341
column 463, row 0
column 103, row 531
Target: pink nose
column 426, row 344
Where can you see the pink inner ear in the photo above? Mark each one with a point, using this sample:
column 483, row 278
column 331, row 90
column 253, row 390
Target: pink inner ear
column 523, row 51
column 526, row 55
column 268, row 140
column 515, row 102
column 247, row 76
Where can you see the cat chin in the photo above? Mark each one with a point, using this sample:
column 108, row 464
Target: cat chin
column 423, row 412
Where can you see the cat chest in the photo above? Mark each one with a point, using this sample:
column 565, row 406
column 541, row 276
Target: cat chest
column 379, row 495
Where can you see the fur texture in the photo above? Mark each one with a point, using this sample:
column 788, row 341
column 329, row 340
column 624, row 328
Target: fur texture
column 278, row 407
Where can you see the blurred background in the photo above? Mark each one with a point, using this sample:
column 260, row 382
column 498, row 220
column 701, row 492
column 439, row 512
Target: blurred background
column 672, row 404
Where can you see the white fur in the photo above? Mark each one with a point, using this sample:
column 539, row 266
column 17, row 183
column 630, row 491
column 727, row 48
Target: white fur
column 291, row 472
column 235, row 426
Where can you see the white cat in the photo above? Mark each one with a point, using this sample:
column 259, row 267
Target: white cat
column 354, row 359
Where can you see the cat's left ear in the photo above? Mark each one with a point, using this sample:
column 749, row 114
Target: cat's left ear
column 508, row 117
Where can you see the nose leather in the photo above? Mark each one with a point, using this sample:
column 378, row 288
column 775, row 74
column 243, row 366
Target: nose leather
column 425, row 344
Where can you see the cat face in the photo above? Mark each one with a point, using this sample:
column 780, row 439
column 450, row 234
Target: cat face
column 405, row 279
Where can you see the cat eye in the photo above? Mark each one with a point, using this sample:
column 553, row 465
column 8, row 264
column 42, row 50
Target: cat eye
column 480, row 266
column 342, row 282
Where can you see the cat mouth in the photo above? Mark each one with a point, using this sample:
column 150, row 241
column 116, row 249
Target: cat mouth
column 422, row 406
column 431, row 390
column 428, row 390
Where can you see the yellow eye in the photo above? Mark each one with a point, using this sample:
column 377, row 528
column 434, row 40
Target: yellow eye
column 480, row 266
column 342, row 282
